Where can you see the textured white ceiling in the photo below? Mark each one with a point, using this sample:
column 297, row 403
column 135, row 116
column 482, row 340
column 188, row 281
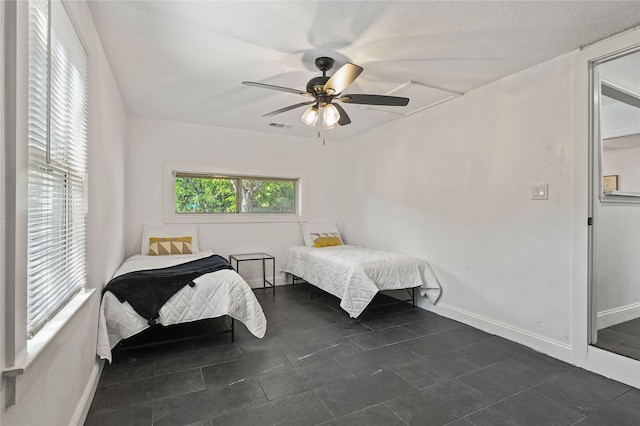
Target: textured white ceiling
column 185, row 61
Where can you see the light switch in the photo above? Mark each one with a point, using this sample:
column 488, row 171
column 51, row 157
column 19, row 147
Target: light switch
column 540, row 192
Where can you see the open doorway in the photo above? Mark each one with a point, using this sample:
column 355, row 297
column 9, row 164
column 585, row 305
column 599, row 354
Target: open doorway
column 615, row 203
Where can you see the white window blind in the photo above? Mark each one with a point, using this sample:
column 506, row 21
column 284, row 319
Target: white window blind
column 57, row 173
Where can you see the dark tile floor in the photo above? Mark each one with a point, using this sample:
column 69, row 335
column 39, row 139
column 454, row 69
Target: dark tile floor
column 394, row 366
column 623, row 339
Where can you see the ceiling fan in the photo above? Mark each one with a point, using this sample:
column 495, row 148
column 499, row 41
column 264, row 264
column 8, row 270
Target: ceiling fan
column 325, row 91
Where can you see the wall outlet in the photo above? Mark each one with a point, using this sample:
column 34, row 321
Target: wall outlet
column 540, row 192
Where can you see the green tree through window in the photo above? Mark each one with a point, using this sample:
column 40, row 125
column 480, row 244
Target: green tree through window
column 220, row 194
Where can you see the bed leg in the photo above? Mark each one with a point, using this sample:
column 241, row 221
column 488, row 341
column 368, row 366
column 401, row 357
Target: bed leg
column 413, row 297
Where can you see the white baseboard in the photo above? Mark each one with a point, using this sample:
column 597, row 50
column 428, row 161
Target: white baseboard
column 551, row 347
column 617, row 367
column 82, row 409
column 619, row 315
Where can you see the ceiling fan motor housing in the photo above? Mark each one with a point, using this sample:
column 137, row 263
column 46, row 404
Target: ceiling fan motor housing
column 324, row 63
column 315, row 86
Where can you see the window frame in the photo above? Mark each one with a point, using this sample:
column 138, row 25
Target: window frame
column 20, row 354
column 170, row 170
column 57, row 163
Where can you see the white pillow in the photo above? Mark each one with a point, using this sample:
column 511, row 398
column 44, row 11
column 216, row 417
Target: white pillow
column 167, row 231
column 314, row 227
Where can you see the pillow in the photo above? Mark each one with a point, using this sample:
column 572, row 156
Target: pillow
column 308, row 228
column 173, row 245
column 326, row 239
column 169, row 231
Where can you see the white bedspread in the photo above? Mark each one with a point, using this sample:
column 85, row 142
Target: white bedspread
column 215, row 294
column 355, row 274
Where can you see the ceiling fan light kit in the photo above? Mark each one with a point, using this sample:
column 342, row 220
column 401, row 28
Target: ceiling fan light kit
column 330, row 117
column 325, row 90
column 310, row 117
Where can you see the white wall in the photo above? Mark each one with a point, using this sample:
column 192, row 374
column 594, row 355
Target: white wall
column 452, row 185
column 626, row 164
column 56, row 388
column 151, row 143
column 616, row 262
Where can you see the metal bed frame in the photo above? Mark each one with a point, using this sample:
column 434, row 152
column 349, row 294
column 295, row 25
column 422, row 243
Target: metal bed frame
column 122, row 345
column 316, row 290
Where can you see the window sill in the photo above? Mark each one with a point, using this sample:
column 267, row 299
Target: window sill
column 233, row 218
column 42, row 346
column 50, row 331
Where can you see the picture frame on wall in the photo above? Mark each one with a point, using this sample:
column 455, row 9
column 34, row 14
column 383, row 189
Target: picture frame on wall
column 610, row 183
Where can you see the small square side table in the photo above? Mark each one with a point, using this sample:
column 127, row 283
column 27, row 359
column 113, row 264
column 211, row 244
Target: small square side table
column 264, row 257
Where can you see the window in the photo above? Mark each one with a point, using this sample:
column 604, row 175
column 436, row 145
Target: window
column 194, row 195
column 57, row 171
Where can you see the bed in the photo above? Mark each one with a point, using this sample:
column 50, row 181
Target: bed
column 210, row 295
column 356, row 274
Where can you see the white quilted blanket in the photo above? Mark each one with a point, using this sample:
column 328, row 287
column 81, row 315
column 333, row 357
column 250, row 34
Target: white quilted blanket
column 214, row 295
column 355, row 274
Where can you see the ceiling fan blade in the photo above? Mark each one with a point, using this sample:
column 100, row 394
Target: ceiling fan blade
column 374, row 100
column 342, row 78
column 272, row 87
column 289, row 108
column 344, row 118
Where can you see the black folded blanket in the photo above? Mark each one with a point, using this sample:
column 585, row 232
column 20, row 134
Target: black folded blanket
column 147, row 291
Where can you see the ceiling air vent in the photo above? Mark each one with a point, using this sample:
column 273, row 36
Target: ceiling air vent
column 280, row 125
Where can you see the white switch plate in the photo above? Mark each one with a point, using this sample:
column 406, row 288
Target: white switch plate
column 540, row 192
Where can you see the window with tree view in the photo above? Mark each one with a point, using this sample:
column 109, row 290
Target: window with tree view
column 224, row 194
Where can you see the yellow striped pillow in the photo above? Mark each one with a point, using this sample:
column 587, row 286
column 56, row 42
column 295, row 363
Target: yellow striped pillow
column 326, row 239
column 174, row 245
